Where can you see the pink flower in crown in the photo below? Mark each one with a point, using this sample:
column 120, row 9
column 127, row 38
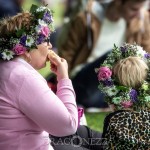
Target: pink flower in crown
column 127, row 104
column 19, row 49
column 45, row 31
column 104, row 73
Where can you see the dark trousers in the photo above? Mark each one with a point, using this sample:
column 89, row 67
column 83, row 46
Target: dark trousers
column 85, row 84
column 83, row 139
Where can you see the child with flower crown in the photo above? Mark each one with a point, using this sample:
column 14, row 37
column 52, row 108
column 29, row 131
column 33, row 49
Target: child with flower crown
column 29, row 110
column 124, row 78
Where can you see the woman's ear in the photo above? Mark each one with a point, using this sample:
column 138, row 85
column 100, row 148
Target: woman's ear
column 27, row 57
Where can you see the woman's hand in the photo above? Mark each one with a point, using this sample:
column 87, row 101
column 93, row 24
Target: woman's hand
column 58, row 65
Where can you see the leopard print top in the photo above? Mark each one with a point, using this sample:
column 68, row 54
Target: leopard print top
column 127, row 130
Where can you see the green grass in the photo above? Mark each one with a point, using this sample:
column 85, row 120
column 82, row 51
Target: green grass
column 45, row 71
column 95, row 120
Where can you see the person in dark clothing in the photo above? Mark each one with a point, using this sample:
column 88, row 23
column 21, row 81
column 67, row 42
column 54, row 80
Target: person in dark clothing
column 10, row 7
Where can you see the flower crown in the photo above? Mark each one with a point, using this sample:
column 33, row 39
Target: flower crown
column 27, row 38
column 122, row 96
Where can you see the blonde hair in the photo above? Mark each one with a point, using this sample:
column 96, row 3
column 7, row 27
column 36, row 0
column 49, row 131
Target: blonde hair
column 131, row 71
column 8, row 25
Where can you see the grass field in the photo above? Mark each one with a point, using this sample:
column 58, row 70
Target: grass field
column 95, row 120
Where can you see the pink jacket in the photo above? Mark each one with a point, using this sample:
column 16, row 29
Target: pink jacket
column 28, row 108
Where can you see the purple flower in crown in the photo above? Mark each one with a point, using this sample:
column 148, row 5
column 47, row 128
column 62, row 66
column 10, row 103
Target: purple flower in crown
column 123, row 49
column 23, row 40
column 40, row 39
column 133, row 95
column 146, row 55
column 47, row 17
column 107, row 82
column 19, row 49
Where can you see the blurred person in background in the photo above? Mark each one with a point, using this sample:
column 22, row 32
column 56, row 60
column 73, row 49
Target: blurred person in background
column 10, row 7
column 71, row 9
column 91, row 36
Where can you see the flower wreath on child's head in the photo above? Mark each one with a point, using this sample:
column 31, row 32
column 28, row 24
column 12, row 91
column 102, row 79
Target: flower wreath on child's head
column 121, row 96
column 27, row 38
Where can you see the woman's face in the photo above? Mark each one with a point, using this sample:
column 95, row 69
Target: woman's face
column 39, row 56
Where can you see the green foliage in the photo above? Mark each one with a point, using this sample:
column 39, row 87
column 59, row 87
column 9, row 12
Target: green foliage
column 20, row 32
column 33, row 8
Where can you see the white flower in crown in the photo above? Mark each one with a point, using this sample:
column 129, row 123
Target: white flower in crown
column 140, row 52
column 110, row 91
column 42, row 8
column 7, row 54
column 29, row 41
column 42, row 22
column 42, row 28
column 38, row 28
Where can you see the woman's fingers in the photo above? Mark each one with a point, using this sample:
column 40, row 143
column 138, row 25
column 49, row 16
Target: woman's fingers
column 54, row 58
column 58, row 65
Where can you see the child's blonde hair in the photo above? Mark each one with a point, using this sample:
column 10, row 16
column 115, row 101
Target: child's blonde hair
column 131, row 71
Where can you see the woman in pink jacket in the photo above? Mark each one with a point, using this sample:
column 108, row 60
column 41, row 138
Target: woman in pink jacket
column 29, row 110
